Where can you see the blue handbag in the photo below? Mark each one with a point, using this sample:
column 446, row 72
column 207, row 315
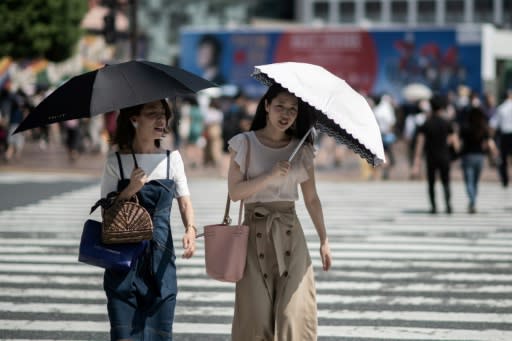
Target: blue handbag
column 108, row 256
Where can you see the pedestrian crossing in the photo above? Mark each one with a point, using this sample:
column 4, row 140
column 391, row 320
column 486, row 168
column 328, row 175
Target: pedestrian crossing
column 398, row 273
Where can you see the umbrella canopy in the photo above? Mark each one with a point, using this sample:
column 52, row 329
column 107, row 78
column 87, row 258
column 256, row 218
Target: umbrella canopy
column 110, row 88
column 416, row 92
column 340, row 111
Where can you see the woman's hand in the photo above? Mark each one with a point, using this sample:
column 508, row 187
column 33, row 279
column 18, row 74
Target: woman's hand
column 280, row 169
column 189, row 242
column 137, row 179
column 325, row 254
column 416, row 171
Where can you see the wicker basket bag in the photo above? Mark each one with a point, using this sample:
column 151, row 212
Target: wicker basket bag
column 126, row 221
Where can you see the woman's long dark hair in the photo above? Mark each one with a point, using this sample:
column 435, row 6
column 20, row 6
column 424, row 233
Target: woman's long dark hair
column 305, row 115
column 477, row 124
column 125, row 132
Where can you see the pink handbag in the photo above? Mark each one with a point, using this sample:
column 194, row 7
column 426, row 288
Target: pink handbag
column 225, row 248
column 225, row 245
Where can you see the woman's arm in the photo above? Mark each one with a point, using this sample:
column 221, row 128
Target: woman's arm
column 240, row 189
column 453, row 140
column 314, row 207
column 420, row 144
column 493, row 149
column 187, row 216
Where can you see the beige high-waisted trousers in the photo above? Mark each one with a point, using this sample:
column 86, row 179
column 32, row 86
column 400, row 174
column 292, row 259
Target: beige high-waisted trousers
column 276, row 298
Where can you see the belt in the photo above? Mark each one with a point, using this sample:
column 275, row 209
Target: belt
column 272, row 229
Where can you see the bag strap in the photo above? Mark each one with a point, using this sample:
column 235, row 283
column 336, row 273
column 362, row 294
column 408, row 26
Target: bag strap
column 134, row 159
column 168, row 162
column 227, row 219
column 121, row 172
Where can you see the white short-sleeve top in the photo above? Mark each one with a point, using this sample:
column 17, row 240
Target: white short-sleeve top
column 154, row 165
column 263, row 158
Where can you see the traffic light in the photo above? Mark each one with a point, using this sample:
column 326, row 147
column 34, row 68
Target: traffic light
column 109, row 29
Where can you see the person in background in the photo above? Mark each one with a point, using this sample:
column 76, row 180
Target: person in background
column 195, row 140
column 476, row 142
column 434, row 137
column 385, row 114
column 141, row 302
column 18, row 111
column 213, row 116
column 276, row 298
column 501, row 123
column 232, row 116
column 412, row 122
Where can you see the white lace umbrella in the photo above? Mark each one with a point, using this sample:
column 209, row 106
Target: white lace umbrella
column 340, row 111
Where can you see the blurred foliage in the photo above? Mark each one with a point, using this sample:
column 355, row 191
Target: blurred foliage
column 40, row 28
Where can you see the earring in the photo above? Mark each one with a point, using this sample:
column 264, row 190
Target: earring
column 134, row 124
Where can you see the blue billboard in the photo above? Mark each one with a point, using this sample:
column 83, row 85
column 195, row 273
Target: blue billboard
column 371, row 61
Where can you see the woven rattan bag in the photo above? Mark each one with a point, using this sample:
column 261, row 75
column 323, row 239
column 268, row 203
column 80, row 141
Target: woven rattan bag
column 126, row 221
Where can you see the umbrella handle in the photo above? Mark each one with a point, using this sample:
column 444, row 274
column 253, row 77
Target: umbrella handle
column 300, row 144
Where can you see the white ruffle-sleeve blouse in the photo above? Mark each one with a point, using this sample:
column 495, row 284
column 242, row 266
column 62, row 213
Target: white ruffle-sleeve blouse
column 154, row 165
column 263, row 158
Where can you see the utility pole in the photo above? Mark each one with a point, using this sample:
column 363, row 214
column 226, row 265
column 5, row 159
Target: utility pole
column 133, row 28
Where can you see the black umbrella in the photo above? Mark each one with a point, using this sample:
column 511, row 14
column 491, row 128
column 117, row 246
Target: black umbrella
column 113, row 87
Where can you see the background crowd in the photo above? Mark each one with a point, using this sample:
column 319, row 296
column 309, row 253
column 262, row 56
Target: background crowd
column 205, row 123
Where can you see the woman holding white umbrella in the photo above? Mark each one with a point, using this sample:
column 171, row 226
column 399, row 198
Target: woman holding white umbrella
column 276, row 298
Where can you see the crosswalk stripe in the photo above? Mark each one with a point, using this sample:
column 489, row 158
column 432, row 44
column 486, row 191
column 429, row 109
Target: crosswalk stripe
column 503, row 248
column 395, row 333
column 99, row 309
column 215, row 296
column 193, row 283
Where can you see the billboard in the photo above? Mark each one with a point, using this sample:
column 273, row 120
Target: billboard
column 372, row 61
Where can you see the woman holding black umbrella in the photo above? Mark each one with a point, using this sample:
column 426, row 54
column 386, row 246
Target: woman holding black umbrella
column 141, row 302
column 276, row 298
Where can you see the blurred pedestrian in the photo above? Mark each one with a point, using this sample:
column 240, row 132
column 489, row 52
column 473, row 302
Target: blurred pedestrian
column 434, row 138
column 73, row 138
column 276, row 298
column 231, row 121
column 141, row 302
column 195, row 140
column 412, row 122
column 95, row 129
column 385, row 114
column 476, row 142
column 213, row 134
column 501, row 123
column 17, row 112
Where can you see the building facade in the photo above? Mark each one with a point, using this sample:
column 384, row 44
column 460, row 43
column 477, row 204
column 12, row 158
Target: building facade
column 405, row 12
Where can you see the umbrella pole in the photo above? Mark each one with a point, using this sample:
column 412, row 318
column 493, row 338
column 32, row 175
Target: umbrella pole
column 300, row 144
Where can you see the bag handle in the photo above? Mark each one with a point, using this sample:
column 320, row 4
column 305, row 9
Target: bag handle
column 227, row 219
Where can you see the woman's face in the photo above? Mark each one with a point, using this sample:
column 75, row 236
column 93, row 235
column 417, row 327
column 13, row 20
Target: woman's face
column 151, row 122
column 282, row 111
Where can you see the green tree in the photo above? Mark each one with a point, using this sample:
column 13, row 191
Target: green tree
column 40, row 28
